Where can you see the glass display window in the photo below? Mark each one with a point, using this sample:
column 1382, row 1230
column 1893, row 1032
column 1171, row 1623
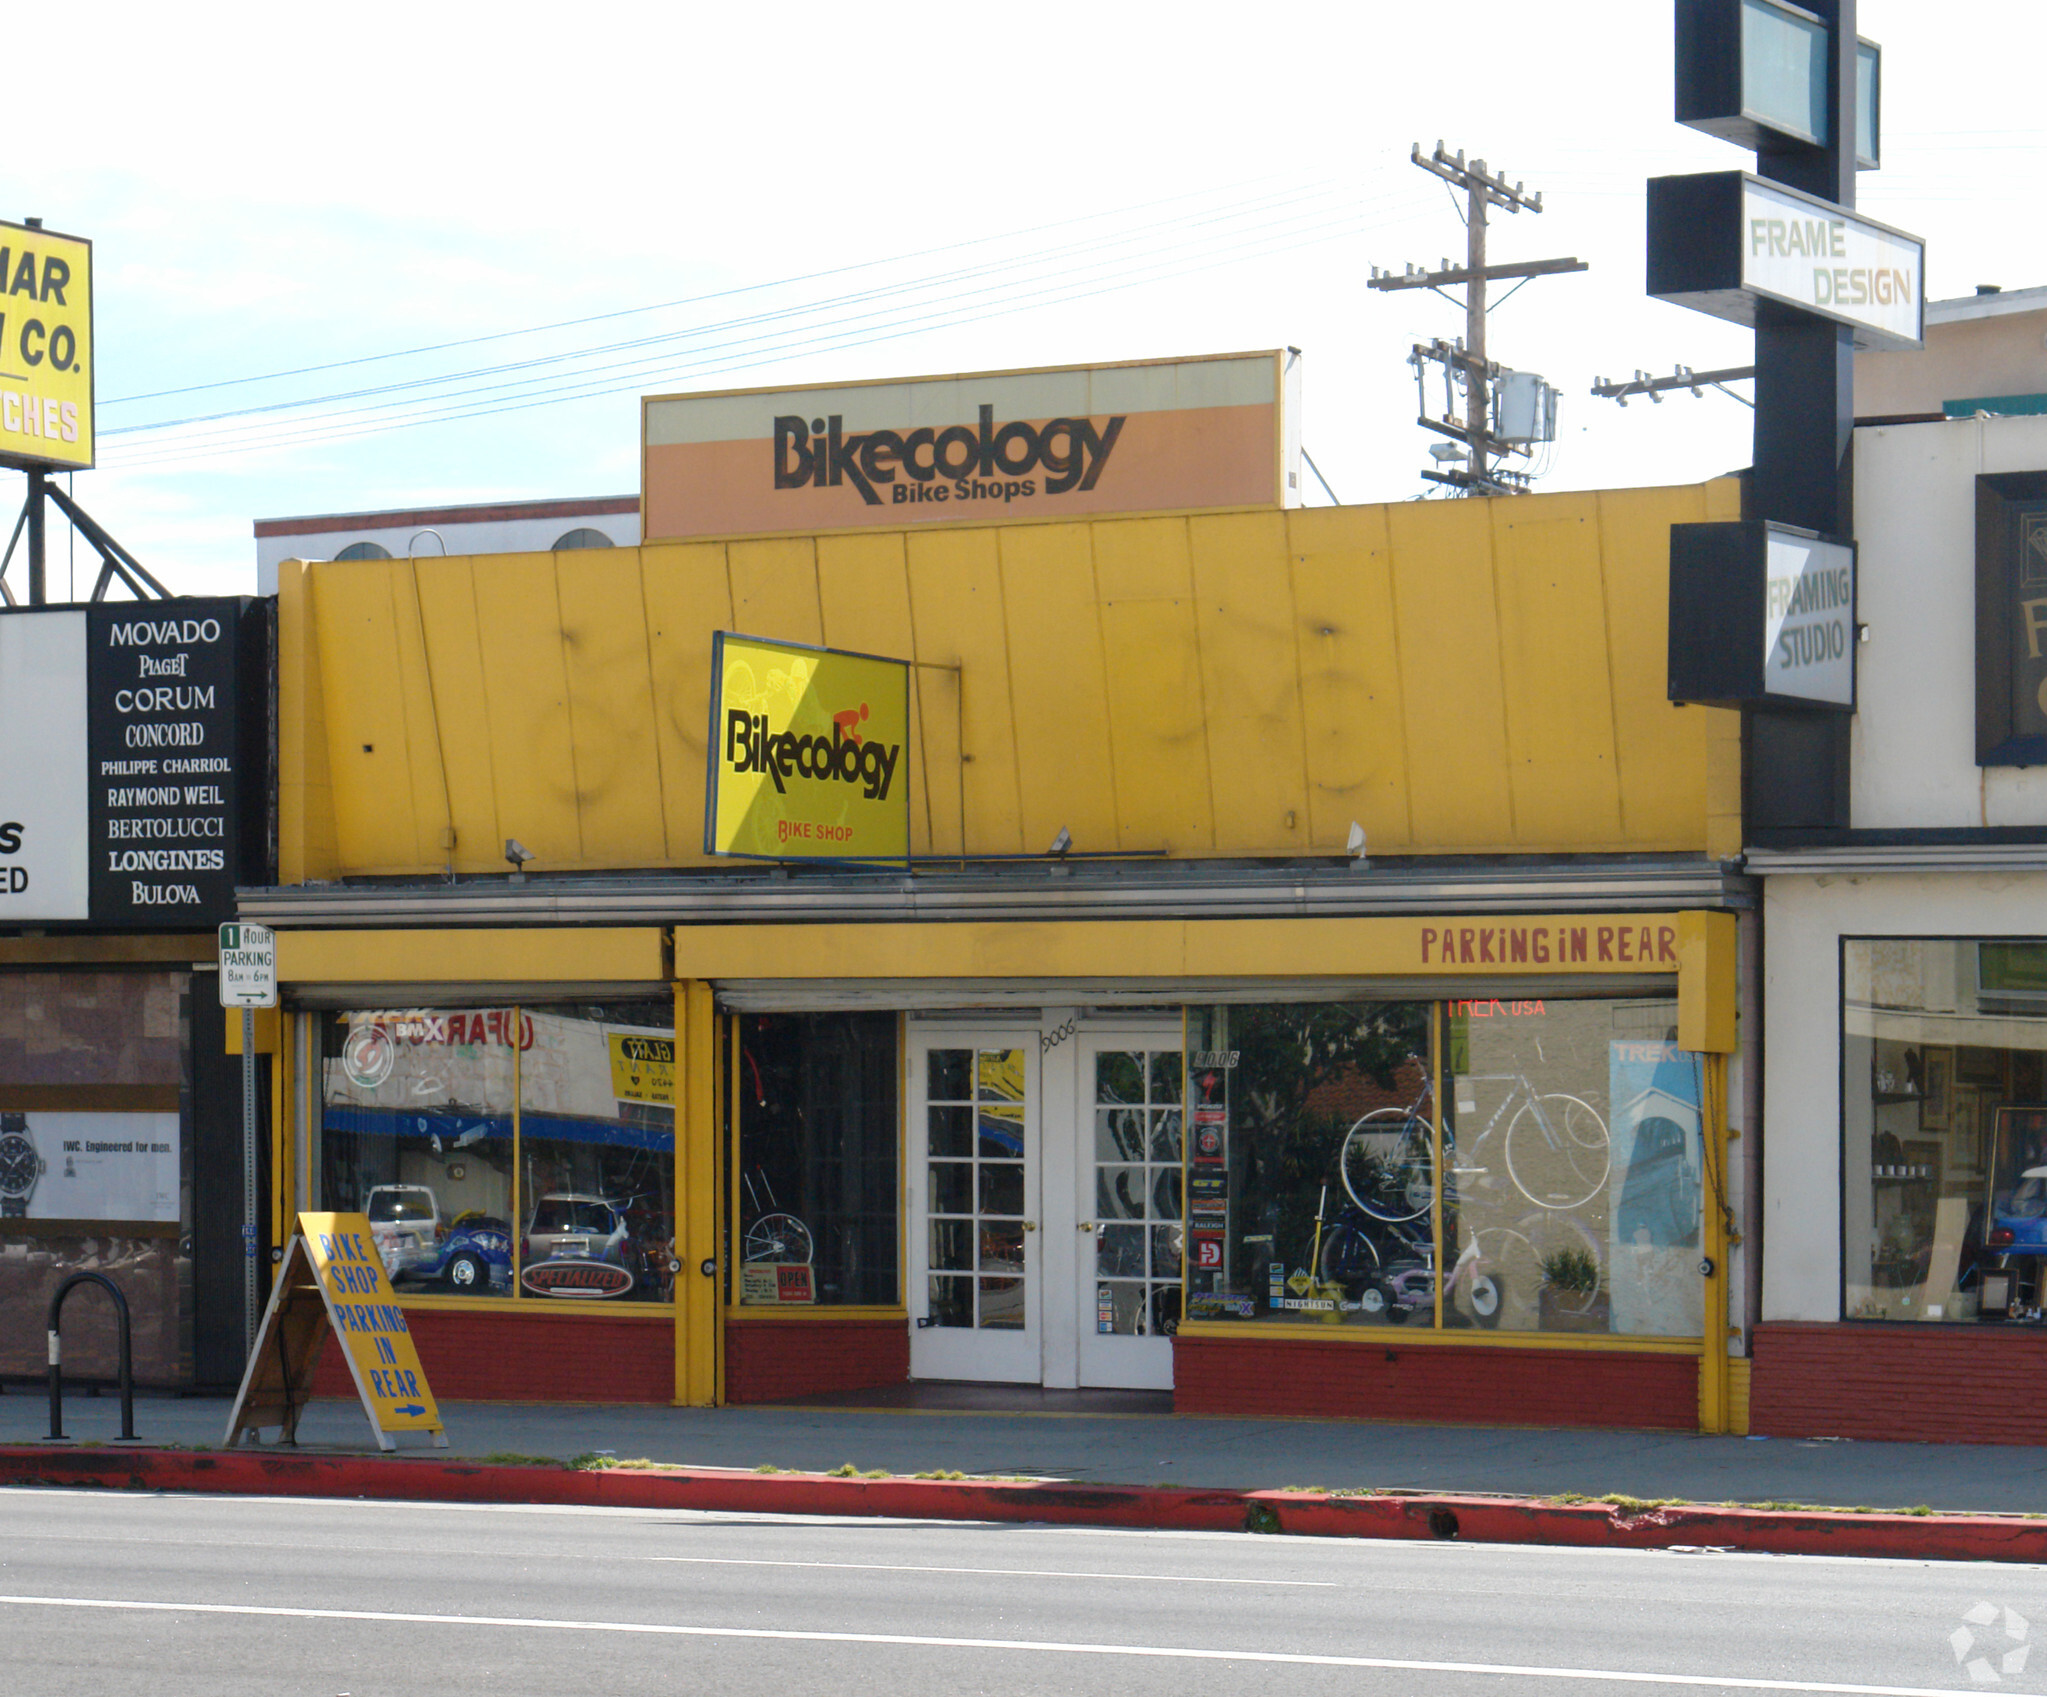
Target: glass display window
column 513, row 1152
column 1574, row 1168
column 1310, row 1163
column 817, row 1130
column 1944, row 1129
column 1558, row 1186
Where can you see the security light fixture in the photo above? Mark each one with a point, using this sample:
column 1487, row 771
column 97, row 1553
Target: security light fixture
column 1354, row 846
column 518, row 854
column 1061, row 843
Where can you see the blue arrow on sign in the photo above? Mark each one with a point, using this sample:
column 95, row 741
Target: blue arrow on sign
column 408, row 1408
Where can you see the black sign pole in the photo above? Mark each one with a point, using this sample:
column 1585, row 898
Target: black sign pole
column 1796, row 764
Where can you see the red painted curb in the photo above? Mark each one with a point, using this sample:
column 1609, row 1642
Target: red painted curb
column 1484, row 1520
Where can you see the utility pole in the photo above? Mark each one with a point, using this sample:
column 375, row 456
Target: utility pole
column 1466, row 362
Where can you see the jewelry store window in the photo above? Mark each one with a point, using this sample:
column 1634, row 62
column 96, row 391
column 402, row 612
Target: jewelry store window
column 1944, row 1129
column 1558, row 1183
column 514, row 1152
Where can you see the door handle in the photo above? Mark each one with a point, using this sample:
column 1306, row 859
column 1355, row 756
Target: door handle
column 1030, row 1225
column 1087, row 1225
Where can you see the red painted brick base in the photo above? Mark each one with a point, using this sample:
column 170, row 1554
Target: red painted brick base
column 1331, row 1380
column 545, row 1355
column 1918, row 1384
column 770, row 1360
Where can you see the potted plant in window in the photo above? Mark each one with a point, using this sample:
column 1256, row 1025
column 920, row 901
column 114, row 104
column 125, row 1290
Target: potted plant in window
column 1571, row 1299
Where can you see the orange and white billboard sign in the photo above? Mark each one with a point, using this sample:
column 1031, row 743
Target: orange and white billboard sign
column 1069, row 442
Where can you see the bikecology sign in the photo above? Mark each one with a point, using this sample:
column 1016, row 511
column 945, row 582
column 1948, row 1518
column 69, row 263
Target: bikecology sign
column 1064, row 442
column 807, row 751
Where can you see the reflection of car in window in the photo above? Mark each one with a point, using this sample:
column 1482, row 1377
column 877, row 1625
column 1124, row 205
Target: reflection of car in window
column 566, row 1225
column 405, row 1223
column 473, row 1256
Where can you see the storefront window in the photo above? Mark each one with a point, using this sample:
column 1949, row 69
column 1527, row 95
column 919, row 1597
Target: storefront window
column 1944, row 1124
column 1574, row 1170
column 1309, row 1171
column 1560, row 1187
column 817, row 1116
column 506, row 1151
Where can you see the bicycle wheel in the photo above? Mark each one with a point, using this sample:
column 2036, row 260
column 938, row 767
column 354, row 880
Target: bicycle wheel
column 778, row 1237
column 1349, row 1258
column 1557, row 1151
column 1385, row 1165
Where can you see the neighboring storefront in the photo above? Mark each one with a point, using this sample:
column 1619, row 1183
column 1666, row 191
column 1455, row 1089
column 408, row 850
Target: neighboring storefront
column 134, row 797
column 1906, row 976
column 1296, row 902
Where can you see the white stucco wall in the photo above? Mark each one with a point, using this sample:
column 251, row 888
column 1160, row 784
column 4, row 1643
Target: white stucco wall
column 1804, row 920
column 1914, row 766
column 1915, row 725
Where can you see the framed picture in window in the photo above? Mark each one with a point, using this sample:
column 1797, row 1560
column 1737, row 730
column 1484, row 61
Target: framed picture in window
column 1964, row 1141
column 1937, row 1100
column 1980, row 1066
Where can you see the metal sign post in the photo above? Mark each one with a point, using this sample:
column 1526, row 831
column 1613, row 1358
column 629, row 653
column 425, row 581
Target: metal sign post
column 248, row 980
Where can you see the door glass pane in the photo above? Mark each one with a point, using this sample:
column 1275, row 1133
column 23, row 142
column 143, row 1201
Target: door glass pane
column 947, row 1072
column 1138, row 1227
column 975, row 1136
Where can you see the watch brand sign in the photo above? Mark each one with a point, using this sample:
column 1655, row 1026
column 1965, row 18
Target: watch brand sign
column 118, row 769
column 1061, row 443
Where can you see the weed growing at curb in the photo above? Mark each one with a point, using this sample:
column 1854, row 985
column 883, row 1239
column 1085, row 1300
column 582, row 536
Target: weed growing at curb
column 767, row 1467
column 512, row 1458
column 940, row 1473
column 845, row 1470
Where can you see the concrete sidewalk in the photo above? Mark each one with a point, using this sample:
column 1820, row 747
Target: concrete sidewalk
column 1150, row 1449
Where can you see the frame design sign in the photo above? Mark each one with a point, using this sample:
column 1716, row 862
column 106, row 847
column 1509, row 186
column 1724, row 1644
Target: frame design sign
column 807, row 753
column 1729, row 244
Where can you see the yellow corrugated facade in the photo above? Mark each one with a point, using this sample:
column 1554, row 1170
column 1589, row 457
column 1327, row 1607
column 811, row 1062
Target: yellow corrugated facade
column 1458, row 676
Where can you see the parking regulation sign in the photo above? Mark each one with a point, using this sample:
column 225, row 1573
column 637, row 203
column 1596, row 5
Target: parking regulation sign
column 248, row 966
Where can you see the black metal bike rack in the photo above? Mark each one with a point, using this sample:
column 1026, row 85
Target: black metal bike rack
column 57, row 1356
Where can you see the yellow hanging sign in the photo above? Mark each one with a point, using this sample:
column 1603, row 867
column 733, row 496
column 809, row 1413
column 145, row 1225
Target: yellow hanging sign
column 808, row 753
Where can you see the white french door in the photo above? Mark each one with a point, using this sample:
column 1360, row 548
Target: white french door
column 1045, row 1207
column 976, row 1261
column 1128, row 1208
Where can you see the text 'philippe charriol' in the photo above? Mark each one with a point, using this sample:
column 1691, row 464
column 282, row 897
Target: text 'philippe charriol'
column 989, row 463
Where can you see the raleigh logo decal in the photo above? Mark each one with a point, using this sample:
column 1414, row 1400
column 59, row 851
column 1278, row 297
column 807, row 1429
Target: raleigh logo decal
column 846, row 758
column 956, row 464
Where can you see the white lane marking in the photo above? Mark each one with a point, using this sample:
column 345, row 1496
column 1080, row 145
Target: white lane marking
column 995, row 1572
column 1282, row 1658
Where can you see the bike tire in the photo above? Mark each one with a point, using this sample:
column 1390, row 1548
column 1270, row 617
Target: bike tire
column 1387, row 1166
column 1557, row 1151
column 779, row 1238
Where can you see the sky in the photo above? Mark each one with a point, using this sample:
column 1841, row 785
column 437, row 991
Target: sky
column 406, row 255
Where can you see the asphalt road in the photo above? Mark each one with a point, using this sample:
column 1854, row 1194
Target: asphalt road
column 103, row 1594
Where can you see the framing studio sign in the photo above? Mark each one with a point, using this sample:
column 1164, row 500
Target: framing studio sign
column 1761, row 612
column 119, row 763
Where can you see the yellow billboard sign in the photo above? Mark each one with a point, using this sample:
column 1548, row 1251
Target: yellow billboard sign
column 808, row 753
column 46, row 353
